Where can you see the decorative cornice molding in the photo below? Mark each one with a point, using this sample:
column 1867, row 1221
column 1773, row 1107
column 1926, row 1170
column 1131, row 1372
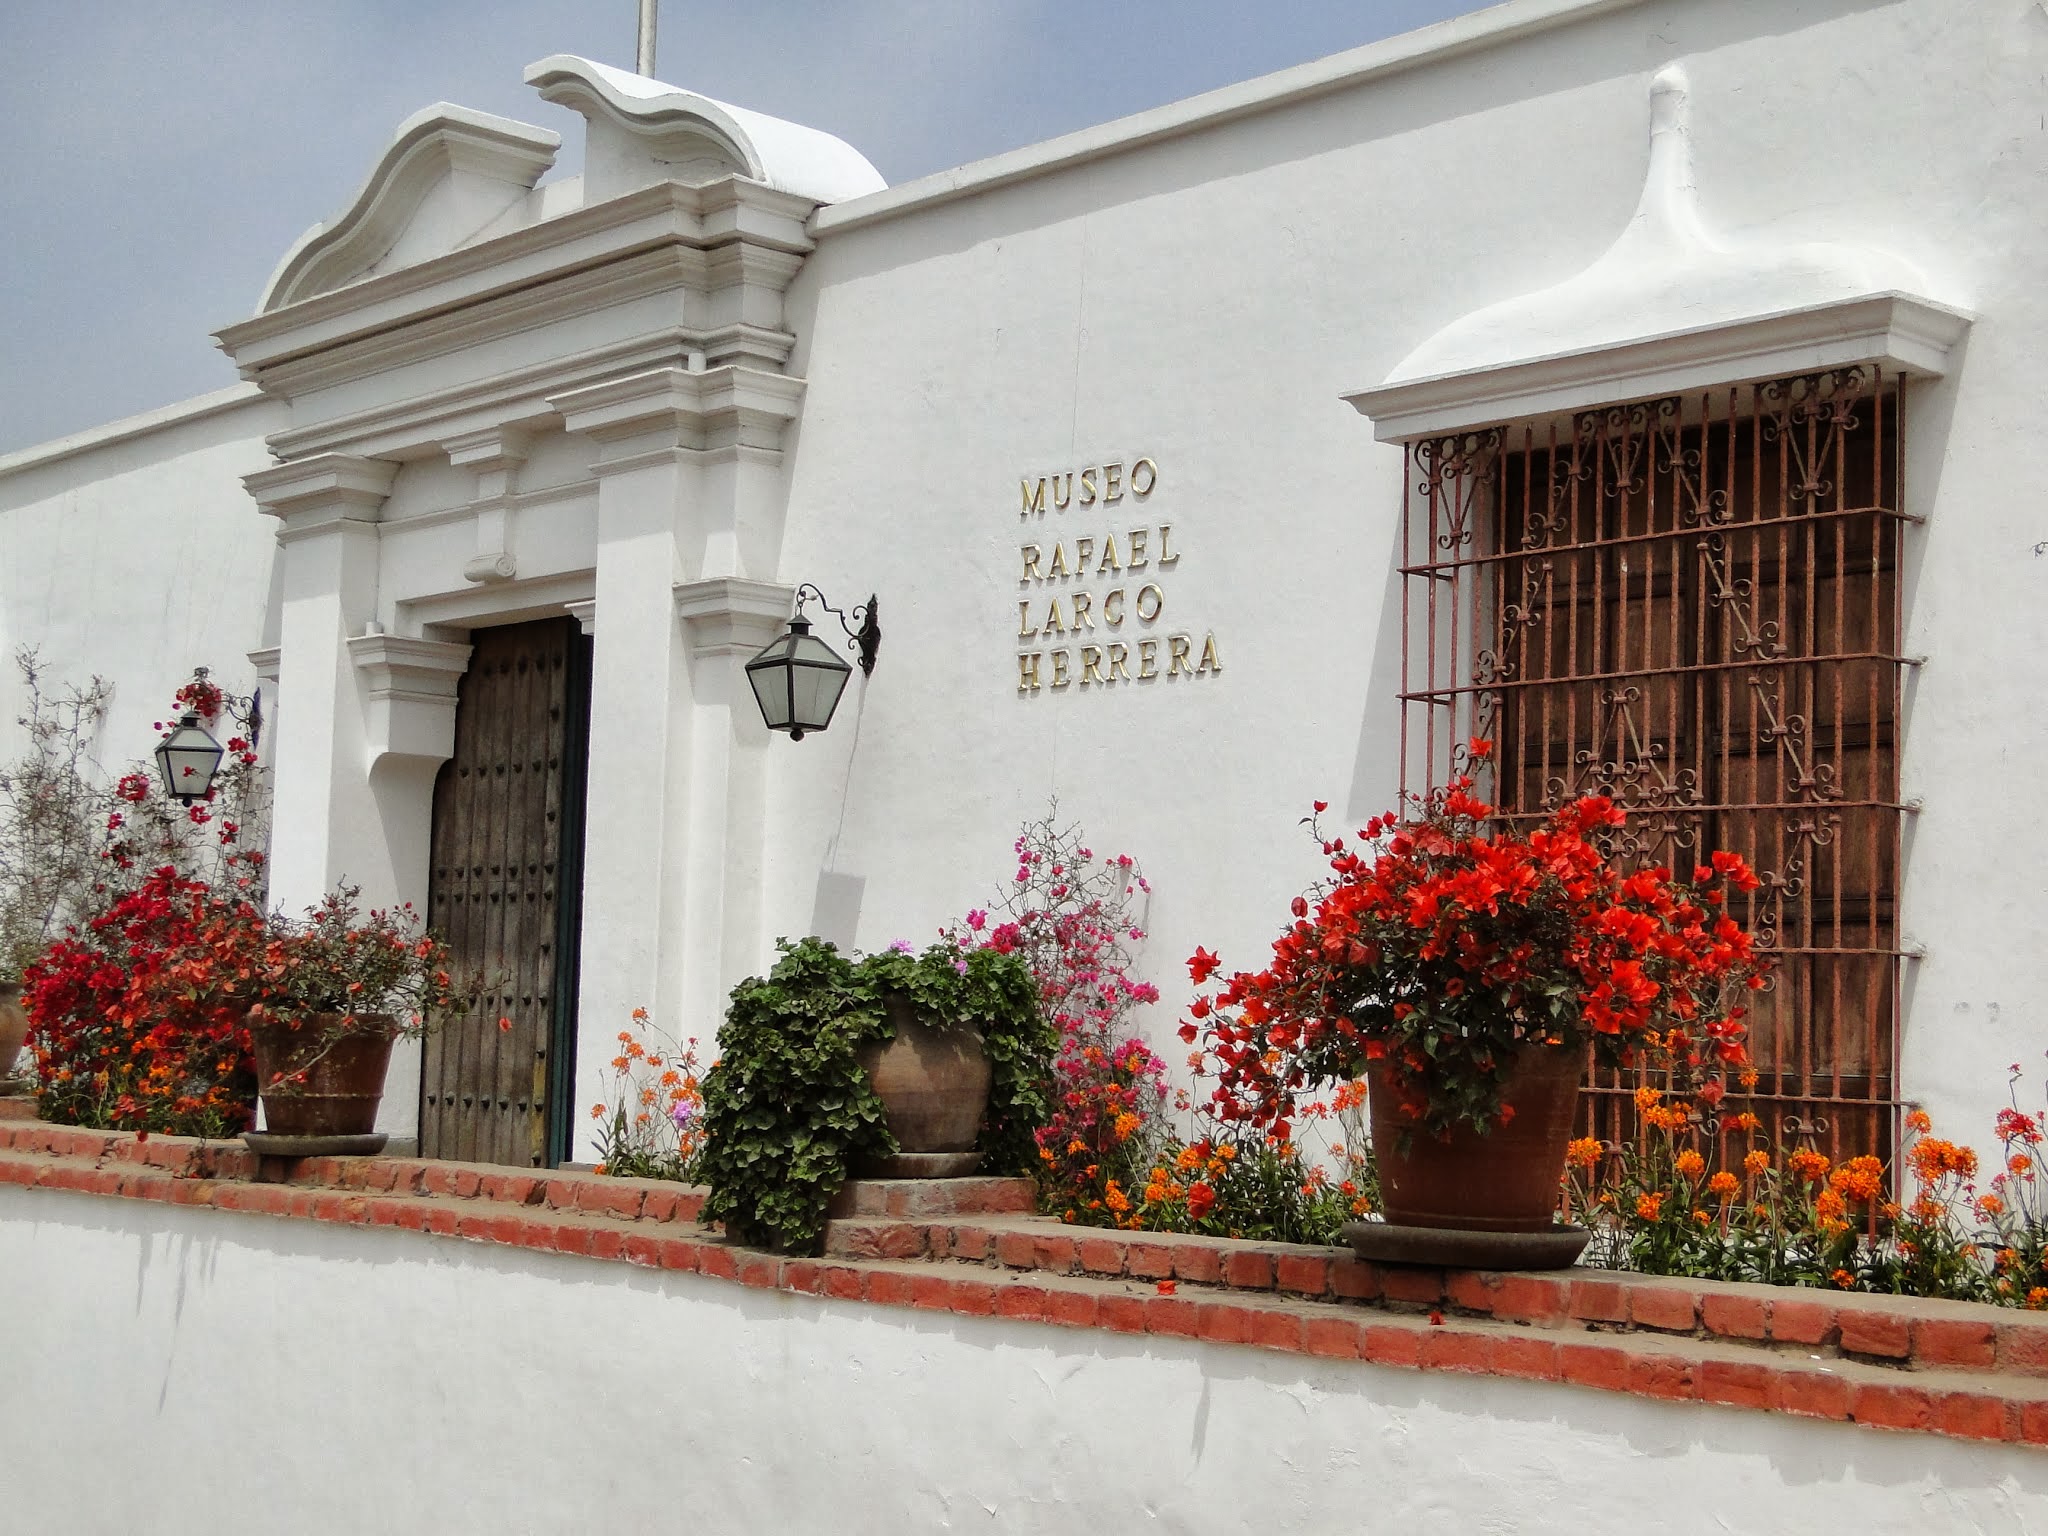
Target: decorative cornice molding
column 1896, row 331
column 563, row 297
column 531, row 597
column 694, row 217
column 268, row 662
column 411, row 687
column 518, row 396
column 732, row 615
column 715, row 408
column 585, row 615
column 488, row 451
column 339, row 485
column 430, row 147
column 401, row 667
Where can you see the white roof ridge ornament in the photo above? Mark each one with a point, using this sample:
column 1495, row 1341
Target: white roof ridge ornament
column 433, row 144
column 1667, row 307
column 626, row 109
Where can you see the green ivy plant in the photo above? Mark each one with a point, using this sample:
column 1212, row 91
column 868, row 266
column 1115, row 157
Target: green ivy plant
column 787, row 1108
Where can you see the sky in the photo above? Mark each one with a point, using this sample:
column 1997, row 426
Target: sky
column 158, row 159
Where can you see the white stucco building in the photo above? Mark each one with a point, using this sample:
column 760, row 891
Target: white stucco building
column 1122, row 431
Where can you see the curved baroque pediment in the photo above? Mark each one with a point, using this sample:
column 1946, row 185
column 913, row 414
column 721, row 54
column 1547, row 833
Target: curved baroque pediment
column 448, row 175
column 643, row 131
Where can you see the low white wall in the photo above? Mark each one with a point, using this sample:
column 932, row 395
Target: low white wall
column 165, row 1367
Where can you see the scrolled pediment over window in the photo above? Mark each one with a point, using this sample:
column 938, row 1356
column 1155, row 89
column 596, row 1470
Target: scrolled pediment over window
column 1667, row 309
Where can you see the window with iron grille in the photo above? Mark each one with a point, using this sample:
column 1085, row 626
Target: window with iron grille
column 1692, row 605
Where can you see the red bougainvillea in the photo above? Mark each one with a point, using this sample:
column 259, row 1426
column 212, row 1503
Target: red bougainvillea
column 138, row 1016
column 1443, row 949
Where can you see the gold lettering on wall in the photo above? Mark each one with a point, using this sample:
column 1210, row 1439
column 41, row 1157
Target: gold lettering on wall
column 1079, row 566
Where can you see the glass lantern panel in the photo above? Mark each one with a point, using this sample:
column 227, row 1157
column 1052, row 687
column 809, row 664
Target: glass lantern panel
column 817, row 693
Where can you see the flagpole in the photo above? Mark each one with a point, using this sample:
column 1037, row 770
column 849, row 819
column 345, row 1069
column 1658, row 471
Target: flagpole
column 648, row 13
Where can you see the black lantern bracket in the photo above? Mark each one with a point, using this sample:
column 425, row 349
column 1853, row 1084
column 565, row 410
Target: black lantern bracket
column 863, row 628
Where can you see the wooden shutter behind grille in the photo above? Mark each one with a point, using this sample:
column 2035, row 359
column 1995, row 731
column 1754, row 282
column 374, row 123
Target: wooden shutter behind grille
column 1692, row 606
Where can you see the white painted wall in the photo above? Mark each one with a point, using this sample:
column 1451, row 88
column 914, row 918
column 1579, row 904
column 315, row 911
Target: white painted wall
column 132, row 552
column 164, row 1364
column 1204, row 299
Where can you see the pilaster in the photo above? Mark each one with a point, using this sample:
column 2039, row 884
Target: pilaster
column 725, row 621
column 349, row 809
column 326, row 826
column 673, row 449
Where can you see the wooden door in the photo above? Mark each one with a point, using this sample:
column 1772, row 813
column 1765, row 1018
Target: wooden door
column 505, row 889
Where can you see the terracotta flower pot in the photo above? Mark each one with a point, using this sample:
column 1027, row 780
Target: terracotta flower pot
column 343, row 1072
column 933, row 1083
column 1506, row 1181
column 13, row 1027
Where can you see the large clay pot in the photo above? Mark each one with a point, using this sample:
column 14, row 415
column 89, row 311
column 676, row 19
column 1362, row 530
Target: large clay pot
column 344, row 1073
column 933, row 1083
column 13, row 1027
column 1505, row 1181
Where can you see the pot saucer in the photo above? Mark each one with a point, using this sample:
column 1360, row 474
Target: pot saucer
column 1384, row 1242
column 269, row 1144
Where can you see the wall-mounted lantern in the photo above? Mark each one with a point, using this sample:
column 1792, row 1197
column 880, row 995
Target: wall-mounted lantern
column 797, row 678
column 188, row 759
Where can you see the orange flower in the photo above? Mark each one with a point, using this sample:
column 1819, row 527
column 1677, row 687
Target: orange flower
column 1723, row 1186
column 1917, row 1122
column 1584, row 1152
column 1858, row 1179
column 1808, row 1165
column 1934, row 1158
column 1648, row 1205
column 1690, row 1164
column 1756, row 1162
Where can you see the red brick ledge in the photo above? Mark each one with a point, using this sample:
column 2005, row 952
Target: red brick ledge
column 1953, row 1368
column 1895, row 1331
